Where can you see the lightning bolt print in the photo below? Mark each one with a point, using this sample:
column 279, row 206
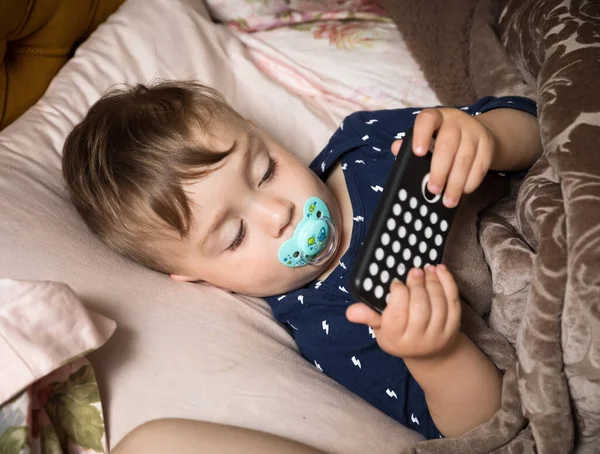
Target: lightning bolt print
column 400, row 135
column 301, row 299
column 359, row 161
column 372, row 333
column 343, row 265
column 370, row 122
column 377, row 188
column 391, row 393
column 344, row 166
column 365, row 137
column 281, row 297
column 318, row 284
column 323, row 166
column 414, row 419
column 343, row 289
column 358, row 218
column 325, row 327
column 288, row 322
column 318, row 366
column 356, row 362
column 376, row 149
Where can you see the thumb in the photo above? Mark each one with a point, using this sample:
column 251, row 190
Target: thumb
column 363, row 314
column 396, row 147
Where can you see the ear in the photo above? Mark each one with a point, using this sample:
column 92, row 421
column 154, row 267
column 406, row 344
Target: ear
column 183, row 278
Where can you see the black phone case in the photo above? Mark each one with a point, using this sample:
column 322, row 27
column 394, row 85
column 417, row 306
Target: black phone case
column 409, row 229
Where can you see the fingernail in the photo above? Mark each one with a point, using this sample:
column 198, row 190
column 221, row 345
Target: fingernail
column 419, row 150
column 449, row 202
column 417, row 272
column 441, row 266
column 429, row 268
column 434, row 188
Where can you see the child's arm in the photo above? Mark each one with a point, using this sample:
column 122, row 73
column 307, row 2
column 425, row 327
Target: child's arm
column 421, row 325
column 517, row 133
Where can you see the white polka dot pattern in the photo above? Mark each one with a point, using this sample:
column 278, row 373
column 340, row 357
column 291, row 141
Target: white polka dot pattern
column 411, row 235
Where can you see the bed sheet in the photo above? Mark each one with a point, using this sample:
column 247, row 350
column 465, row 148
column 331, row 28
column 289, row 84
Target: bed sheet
column 180, row 350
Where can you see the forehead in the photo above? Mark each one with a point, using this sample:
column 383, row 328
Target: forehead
column 222, row 132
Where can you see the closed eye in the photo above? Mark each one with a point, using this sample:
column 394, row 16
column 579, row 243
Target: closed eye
column 239, row 239
column 270, row 173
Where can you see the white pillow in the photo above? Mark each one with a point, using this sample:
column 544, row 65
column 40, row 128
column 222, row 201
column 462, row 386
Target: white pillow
column 180, row 350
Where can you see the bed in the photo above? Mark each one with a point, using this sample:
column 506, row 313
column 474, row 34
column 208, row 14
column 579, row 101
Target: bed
column 193, row 351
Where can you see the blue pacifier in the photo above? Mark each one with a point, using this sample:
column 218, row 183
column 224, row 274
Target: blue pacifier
column 315, row 237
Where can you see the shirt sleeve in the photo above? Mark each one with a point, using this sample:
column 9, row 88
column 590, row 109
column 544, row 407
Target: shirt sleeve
column 505, row 102
column 382, row 127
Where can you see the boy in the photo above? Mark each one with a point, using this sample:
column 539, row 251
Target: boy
column 174, row 178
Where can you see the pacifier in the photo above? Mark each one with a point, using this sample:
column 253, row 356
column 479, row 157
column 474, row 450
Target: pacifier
column 315, row 238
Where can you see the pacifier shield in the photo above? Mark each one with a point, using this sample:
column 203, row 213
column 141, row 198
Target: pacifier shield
column 310, row 236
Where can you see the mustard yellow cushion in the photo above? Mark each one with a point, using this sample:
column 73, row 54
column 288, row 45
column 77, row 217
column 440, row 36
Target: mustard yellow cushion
column 37, row 37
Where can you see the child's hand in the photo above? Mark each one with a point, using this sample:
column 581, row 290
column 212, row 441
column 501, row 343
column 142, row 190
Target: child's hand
column 422, row 318
column 463, row 153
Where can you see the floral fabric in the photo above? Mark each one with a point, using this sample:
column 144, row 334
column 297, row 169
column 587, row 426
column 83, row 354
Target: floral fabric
column 304, row 44
column 49, row 397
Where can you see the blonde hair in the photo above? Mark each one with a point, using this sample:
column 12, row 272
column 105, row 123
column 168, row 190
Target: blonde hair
column 128, row 160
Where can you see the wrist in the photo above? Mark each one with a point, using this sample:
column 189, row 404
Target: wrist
column 449, row 350
column 424, row 368
column 494, row 141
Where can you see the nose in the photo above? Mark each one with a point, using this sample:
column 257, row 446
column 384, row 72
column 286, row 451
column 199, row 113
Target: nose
column 273, row 214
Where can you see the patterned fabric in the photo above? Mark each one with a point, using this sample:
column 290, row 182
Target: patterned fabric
column 254, row 15
column 49, row 397
column 57, row 415
column 302, row 44
column 557, row 252
column 315, row 314
column 541, row 244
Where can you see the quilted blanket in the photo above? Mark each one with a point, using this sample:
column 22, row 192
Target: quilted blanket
column 527, row 258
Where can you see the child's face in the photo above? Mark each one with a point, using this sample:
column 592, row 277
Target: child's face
column 244, row 211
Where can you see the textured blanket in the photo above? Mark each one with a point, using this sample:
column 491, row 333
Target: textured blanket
column 527, row 258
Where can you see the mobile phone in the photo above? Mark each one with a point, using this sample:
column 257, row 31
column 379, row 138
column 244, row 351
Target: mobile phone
column 409, row 229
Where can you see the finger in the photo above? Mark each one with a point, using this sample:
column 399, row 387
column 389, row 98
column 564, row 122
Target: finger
column 426, row 124
column 446, row 146
column 420, row 309
column 452, row 299
column 363, row 314
column 480, row 167
column 437, row 298
column 396, row 147
column 395, row 316
column 463, row 161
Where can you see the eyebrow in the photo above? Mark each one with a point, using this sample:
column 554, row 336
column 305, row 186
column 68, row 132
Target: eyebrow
column 222, row 214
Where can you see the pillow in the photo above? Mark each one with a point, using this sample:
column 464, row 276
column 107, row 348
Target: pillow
column 302, row 44
column 180, row 350
column 43, row 326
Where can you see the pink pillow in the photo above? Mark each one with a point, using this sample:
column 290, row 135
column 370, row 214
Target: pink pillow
column 43, row 325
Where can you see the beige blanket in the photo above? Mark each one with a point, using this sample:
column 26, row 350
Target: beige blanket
column 528, row 265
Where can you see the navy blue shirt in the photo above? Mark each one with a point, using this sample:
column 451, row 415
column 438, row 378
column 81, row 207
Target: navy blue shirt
column 315, row 314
